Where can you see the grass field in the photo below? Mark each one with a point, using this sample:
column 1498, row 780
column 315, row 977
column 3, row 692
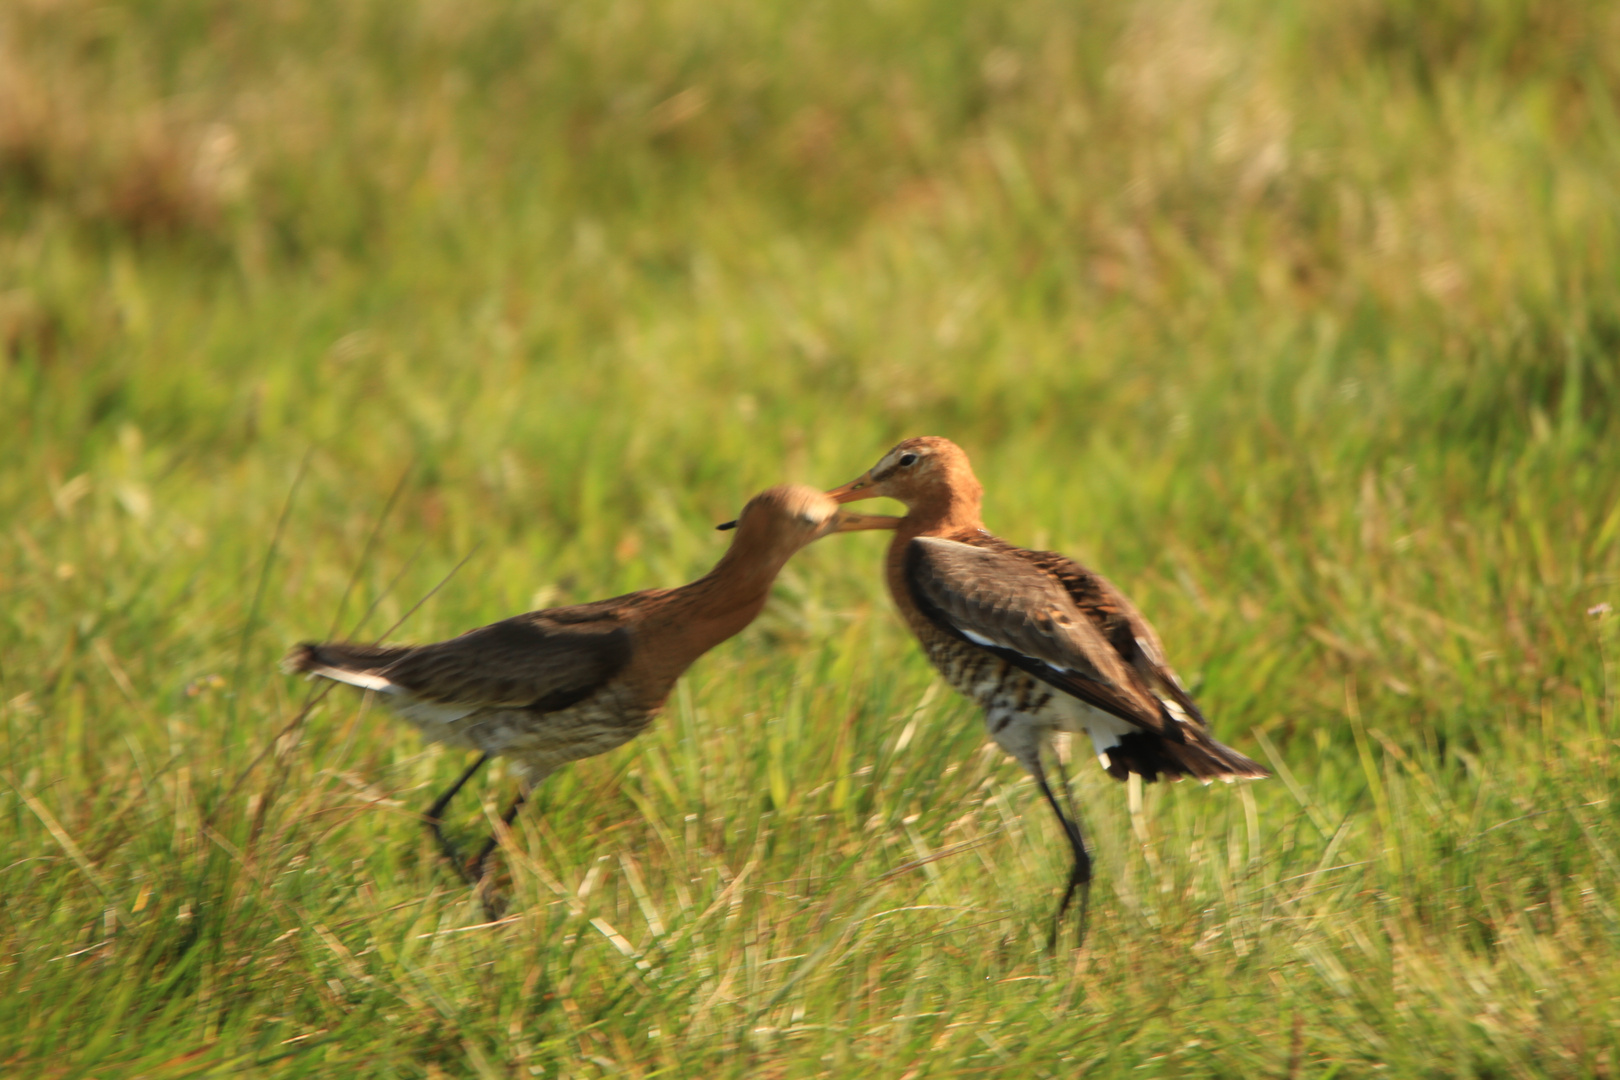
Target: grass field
column 1299, row 321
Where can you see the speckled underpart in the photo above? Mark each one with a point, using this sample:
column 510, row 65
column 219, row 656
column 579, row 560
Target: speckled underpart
column 1021, row 713
column 540, row 743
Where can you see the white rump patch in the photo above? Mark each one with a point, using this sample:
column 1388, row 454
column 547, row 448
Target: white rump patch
column 1104, row 737
column 356, row 678
column 1105, row 729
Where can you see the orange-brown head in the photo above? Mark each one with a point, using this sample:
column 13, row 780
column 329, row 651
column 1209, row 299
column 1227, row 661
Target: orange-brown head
column 931, row 475
column 785, row 518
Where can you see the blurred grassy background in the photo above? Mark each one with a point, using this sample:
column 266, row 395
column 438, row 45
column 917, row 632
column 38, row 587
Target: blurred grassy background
column 1299, row 321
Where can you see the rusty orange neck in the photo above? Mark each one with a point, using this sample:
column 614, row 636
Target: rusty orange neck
column 722, row 602
column 946, row 510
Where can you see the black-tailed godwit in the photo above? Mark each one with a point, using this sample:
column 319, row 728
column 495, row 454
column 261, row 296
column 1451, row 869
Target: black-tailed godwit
column 1044, row 644
column 555, row 686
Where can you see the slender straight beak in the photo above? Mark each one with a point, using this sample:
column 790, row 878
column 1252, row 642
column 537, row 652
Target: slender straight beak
column 844, row 521
column 857, row 489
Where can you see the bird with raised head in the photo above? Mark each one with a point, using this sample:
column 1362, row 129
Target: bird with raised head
column 1044, row 644
column 566, row 683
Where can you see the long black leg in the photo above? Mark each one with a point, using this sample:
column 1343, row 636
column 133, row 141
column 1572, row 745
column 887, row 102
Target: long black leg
column 434, row 822
column 494, row 906
column 1080, row 875
column 1074, row 818
column 507, row 818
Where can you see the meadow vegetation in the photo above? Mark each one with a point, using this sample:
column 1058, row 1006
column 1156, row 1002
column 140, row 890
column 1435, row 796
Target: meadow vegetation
column 1300, row 321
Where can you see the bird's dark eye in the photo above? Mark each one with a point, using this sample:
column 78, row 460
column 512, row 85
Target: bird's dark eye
column 908, row 459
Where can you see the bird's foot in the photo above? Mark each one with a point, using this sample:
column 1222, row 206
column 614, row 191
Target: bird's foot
column 1077, row 884
column 492, row 902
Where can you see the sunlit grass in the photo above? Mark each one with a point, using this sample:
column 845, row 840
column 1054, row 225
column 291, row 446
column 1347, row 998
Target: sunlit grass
column 1299, row 323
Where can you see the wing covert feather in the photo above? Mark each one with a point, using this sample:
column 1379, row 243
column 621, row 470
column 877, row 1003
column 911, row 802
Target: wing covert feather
column 1120, row 622
column 1027, row 616
column 534, row 661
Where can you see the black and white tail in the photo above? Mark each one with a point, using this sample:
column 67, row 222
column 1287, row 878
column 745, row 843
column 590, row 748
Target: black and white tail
column 358, row 665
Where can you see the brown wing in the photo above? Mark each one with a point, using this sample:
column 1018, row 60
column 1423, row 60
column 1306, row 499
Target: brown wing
column 545, row 660
column 1119, row 621
column 1196, row 750
column 997, row 600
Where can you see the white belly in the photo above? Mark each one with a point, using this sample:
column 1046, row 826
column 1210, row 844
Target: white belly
column 1105, row 729
column 1023, row 734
